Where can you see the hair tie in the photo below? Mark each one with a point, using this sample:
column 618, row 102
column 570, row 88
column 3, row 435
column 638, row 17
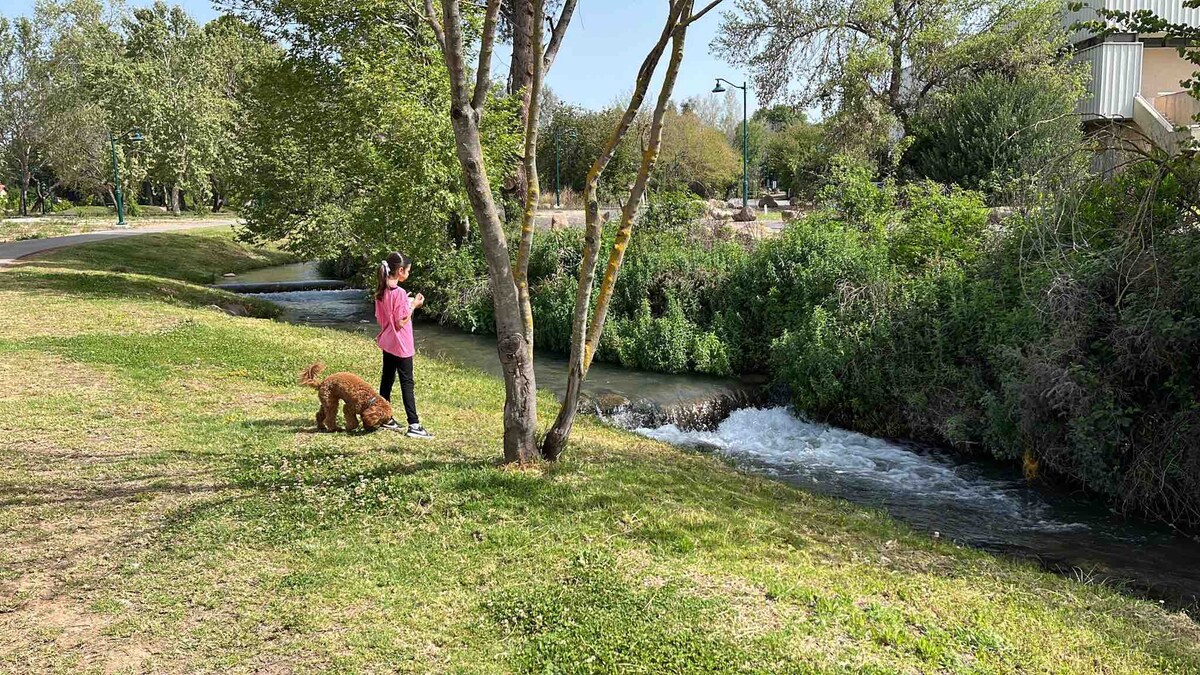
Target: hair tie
column 386, row 268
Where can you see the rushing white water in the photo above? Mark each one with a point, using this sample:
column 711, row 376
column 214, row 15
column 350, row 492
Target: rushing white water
column 931, row 492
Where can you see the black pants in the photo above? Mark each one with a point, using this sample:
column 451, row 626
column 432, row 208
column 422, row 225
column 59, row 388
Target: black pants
column 393, row 364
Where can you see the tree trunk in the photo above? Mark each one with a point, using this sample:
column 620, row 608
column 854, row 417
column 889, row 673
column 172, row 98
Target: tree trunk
column 625, row 231
column 520, row 84
column 527, row 48
column 520, row 406
column 26, row 178
column 174, row 201
column 466, row 109
column 533, row 188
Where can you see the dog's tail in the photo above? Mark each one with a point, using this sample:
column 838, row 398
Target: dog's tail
column 308, row 378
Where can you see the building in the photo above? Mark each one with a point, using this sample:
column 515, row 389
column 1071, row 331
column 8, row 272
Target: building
column 1136, row 78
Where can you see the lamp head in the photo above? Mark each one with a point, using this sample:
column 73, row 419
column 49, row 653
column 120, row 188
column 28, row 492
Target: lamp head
column 719, row 89
column 136, row 136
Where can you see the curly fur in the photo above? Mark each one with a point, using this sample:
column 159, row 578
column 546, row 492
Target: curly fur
column 359, row 400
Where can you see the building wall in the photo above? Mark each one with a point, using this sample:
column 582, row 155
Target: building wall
column 1171, row 10
column 1162, row 71
column 1116, row 69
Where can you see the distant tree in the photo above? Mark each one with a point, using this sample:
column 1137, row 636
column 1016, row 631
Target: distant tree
column 778, row 117
column 994, row 130
column 24, row 102
column 82, row 44
column 757, row 133
column 581, row 135
column 695, row 156
column 170, row 87
column 240, row 54
column 798, row 157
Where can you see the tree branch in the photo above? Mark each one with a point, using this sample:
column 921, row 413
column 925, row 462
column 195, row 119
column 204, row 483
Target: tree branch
column 431, row 18
column 700, row 15
column 483, row 73
column 557, row 31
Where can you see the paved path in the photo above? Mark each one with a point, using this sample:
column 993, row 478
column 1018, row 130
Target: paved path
column 13, row 251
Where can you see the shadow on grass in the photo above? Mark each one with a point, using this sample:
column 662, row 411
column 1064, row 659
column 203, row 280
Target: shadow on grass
column 95, row 285
column 98, row 495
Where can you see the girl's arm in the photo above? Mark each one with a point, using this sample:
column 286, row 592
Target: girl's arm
column 407, row 316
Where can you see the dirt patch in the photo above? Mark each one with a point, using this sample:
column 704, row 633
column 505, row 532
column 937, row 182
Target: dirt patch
column 751, row 612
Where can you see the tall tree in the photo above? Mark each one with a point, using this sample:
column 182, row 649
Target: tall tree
column 881, row 59
column 468, row 101
column 520, row 19
column 172, row 93
column 585, row 332
column 24, row 101
column 695, row 156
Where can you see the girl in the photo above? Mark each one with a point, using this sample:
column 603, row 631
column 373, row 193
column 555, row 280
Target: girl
column 393, row 310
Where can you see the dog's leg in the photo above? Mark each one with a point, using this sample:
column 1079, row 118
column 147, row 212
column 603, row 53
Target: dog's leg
column 327, row 416
column 351, row 417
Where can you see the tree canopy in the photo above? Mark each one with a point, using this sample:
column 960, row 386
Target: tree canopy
column 878, row 62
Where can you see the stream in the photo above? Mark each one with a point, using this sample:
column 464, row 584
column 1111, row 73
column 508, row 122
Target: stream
column 972, row 502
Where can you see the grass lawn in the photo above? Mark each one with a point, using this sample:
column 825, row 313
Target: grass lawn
column 166, row 507
column 198, row 256
column 83, row 219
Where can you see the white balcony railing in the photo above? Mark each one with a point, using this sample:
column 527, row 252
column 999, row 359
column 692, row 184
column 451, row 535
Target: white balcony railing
column 1161, row 131
column 1179, row 107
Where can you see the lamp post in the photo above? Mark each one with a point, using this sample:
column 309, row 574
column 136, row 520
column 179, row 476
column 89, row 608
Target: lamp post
column 570, row 133
column 719, row 89
column 134, row 136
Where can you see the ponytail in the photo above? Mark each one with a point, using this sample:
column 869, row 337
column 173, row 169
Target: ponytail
column 394, row 262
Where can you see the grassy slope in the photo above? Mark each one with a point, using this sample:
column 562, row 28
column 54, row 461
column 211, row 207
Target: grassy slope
column 93, row 218
column 164, row 506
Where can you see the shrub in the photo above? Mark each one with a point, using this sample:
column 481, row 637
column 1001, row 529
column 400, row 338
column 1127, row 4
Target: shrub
column 998, row 129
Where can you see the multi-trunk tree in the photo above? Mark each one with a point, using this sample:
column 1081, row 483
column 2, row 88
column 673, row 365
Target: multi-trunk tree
column 24, row 102
column 508, row 280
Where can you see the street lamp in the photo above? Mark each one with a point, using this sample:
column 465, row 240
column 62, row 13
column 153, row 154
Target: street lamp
column 719, row 89
column 570, row 133
column 134, row 136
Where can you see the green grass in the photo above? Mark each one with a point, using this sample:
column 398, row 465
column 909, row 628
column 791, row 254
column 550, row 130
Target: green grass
column 198, row 256
column 165, row 506
column 82, row 219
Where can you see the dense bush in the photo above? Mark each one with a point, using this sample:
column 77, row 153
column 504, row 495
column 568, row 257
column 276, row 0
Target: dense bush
column 998, row 129
column 663, row 306
column 1072, row 343
column 1070, row 340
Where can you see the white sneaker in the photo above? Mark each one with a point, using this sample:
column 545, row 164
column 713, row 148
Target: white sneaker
column 417, row 431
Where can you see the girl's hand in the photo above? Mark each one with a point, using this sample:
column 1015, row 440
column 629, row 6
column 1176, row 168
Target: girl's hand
column 419, row 301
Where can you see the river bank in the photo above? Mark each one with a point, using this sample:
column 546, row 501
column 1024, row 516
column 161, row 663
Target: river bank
column 971, row 501
column 167, row 508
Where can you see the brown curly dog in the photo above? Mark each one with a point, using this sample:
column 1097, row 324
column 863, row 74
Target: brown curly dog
column 359, row 398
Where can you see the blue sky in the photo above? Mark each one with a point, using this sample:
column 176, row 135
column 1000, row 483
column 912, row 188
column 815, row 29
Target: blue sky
column 606, row 42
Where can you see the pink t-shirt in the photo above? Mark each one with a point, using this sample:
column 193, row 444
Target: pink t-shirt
column 394, row 306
